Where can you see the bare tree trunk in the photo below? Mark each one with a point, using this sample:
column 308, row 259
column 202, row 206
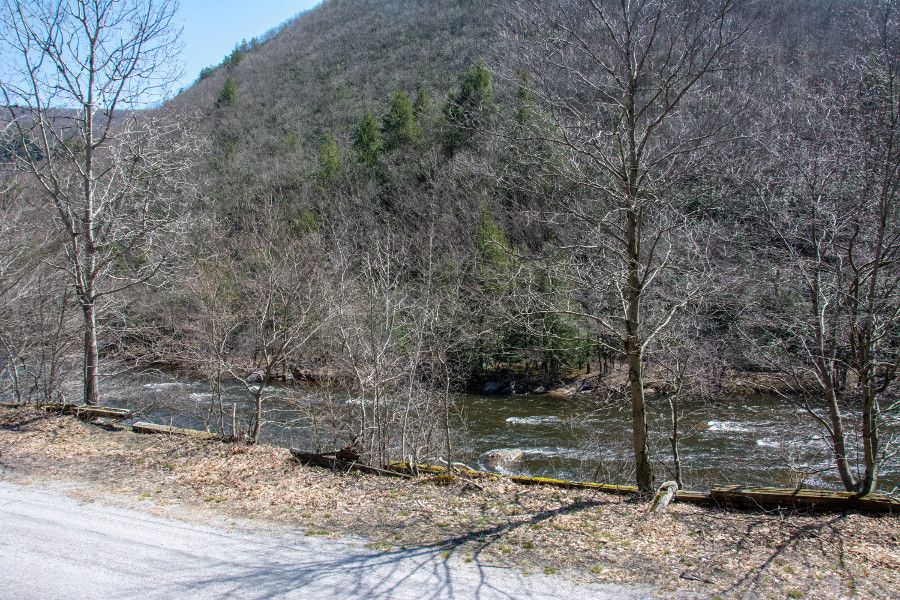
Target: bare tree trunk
column 870, row 437
column 824, row 361
column 91, row 357
column 673, row 440
column 217, row 395
column 643, row 470
column 108, row 58
column 839, row 444
column 867, row 355
column 258, row 411
column 447, row 429
column 13, row 369
column 613, row 75
column 86, row 278
column 52, row 383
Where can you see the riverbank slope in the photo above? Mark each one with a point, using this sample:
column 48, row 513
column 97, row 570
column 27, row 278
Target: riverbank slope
column 582, row 535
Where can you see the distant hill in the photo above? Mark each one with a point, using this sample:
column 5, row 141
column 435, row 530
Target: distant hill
column 322, row 71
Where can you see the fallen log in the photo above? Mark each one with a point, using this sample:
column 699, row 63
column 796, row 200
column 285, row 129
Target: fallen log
column 423, row 469
column 85, row 412
column 734, row 496
column 329, row 461
column 417, row 469
column 803, row 499
column 109, row 424
column 153, row 428
column 92, row 412
column 693, row 497
column 606, row 488
column 520, row 479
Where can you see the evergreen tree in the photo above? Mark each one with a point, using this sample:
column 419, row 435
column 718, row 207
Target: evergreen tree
column 400, row 126
column 470, row 109
column 228, row 95
column 490, row 272
column 329, row 161
column 14, row 146
column 524, row 102
column 491, row 246
column 423, row 105
column 237, row 55
column 367, row 142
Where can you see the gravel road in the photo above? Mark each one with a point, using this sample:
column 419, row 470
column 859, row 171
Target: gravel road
column 54, row 546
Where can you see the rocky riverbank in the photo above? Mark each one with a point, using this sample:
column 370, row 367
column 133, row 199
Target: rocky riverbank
column 729, row 382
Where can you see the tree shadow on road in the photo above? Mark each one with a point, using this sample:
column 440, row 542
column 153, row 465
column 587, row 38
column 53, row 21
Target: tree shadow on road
column 421, row 572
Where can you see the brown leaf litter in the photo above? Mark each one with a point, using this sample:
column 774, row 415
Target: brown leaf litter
column 581, row 534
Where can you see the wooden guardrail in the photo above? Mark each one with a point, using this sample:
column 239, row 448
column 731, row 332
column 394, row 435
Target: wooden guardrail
column 803, row 499
column 730, row 496
column 560, row 483
column 169, row 430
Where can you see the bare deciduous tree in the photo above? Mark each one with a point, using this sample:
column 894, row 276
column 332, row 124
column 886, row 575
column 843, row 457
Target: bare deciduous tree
column 829, row 195
column 36, row 328
column 281, row 305
column 76, row 72
column 633, row 92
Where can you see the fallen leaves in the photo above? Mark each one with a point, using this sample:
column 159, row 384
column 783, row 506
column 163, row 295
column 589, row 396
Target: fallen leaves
column 582, row 534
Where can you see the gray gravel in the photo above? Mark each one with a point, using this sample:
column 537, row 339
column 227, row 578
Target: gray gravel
column 53, row 546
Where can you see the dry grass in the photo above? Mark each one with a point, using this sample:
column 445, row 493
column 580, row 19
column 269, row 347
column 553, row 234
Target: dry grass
column 583, row 535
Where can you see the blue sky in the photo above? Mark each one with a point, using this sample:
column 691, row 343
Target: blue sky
column 213, row 27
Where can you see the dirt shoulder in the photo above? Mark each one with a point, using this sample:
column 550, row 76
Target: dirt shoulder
column 581, row 534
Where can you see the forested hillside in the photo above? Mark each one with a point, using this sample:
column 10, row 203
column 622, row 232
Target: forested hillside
column 402, row 200
column 322, row 72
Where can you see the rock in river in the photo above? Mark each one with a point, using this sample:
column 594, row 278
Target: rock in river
column 501, row 459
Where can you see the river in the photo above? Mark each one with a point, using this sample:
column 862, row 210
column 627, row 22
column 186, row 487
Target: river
column 755, row 440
